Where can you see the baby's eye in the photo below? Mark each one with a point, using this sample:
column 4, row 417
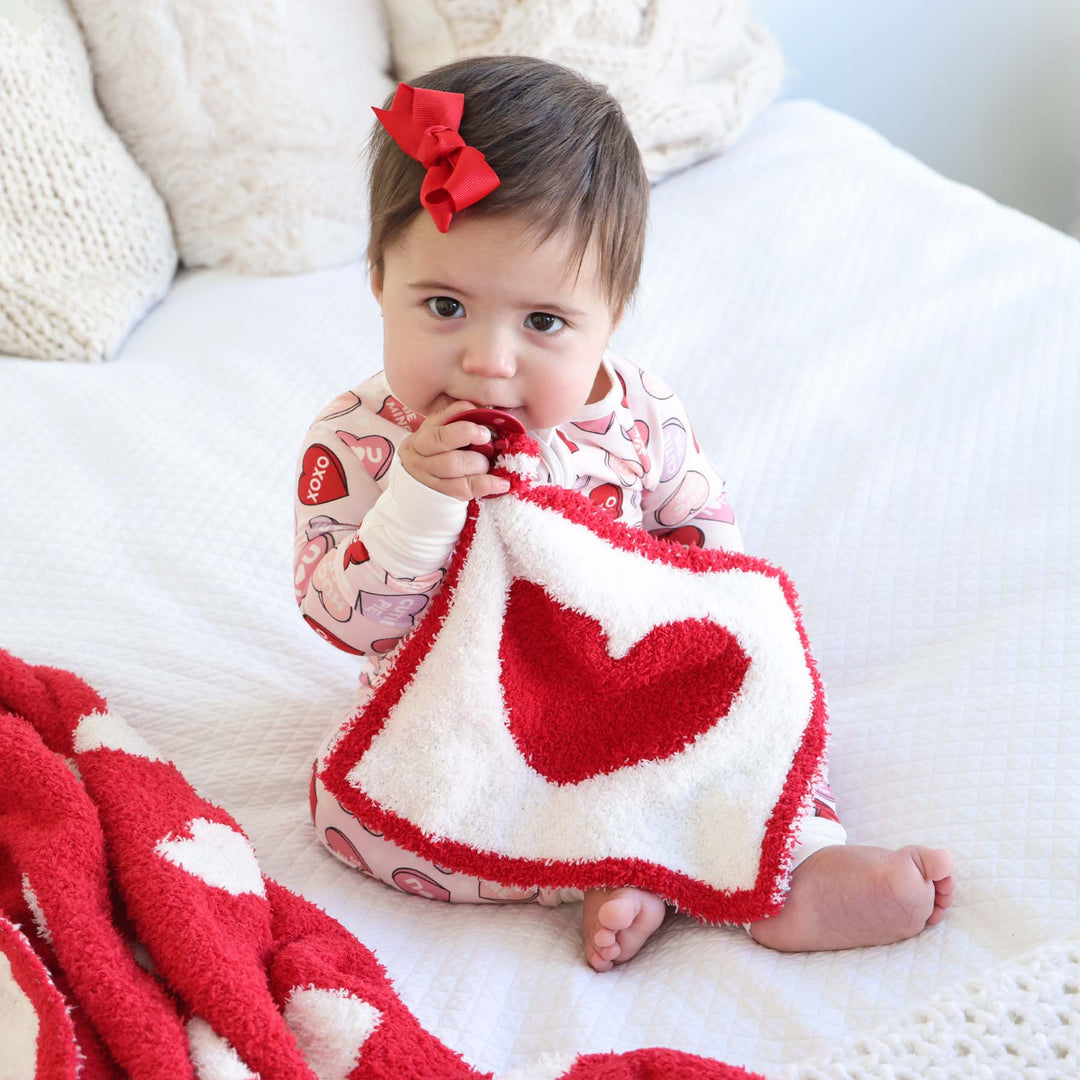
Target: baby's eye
column 446, row 307
column 545, row 323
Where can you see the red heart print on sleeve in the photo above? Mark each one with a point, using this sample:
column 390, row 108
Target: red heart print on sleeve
column 399, row 413
column 322, row 477
column 608, row 497
column 356, row 554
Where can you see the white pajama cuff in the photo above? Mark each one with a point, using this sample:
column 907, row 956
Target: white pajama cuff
column 412, row 529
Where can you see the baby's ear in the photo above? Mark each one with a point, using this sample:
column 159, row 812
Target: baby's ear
column 376, row 275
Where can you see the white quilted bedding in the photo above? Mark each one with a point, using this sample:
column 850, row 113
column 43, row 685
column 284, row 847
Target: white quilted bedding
column 885, row 366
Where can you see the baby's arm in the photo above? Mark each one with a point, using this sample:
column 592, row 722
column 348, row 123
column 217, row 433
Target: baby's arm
column 684, row 498
column 372, row 540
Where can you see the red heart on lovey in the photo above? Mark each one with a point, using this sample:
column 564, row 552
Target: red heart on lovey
column 576, row 711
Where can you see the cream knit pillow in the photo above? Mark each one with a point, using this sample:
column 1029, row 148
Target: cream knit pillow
column 690, row 74
column 85, row 242
column 249, row 116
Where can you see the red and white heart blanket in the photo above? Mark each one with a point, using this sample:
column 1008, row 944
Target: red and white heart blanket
column 139, row 939
column 586, row 705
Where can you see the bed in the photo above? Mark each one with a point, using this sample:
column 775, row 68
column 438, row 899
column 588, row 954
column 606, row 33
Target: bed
column 885, row 366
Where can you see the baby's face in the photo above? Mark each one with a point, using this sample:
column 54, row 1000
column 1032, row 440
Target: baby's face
column 483, row 314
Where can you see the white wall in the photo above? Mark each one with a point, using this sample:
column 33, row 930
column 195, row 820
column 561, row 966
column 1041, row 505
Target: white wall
column 985, row 91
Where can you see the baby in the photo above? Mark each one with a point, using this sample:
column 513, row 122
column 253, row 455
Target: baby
column 503, row 254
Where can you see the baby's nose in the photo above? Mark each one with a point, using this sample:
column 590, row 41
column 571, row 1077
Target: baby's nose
column 490, row 357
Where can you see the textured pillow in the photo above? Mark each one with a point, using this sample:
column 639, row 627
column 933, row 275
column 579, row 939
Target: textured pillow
column 249, row 116
column 85, row 242
column 690, row 74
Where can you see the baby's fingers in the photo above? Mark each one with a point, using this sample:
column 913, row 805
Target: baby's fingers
column 452, row 463
column 432, row 439
column 480, row 487
column 464, row 433
column 439, row 432
column 472, row 486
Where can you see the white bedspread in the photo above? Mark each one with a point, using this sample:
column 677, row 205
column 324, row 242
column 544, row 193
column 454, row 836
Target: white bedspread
column 885, row 366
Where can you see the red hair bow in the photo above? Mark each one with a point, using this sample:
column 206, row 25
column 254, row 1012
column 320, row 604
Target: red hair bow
column 424, row 123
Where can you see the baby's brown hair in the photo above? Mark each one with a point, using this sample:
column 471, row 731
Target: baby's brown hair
column 563, row 152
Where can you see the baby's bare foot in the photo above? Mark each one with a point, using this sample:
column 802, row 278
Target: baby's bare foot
column 845, row 896
column 617, row 922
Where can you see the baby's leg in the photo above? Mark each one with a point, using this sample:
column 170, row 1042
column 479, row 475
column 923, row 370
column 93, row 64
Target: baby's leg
column 373, row 854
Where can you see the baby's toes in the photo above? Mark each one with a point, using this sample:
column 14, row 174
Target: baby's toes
column 618, row 913
column 604, row 943
column 936, row 864
column 603, row 938
column 936, row 867
column 601, row 959
column 944, row 891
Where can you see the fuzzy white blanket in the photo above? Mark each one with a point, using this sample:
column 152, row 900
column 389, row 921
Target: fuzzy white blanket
column 584, row 705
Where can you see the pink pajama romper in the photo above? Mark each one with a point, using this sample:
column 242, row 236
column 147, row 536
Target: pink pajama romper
column 373, row 544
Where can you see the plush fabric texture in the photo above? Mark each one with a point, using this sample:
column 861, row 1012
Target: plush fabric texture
column 37, row 1039
column 587, row 706
column 85, row 242
column 174, row 956
column 250, row 117
column 690, row 74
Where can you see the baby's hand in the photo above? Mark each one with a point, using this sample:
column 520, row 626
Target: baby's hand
column 433, row 455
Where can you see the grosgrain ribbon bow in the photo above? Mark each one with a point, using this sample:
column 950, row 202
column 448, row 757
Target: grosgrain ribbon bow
column 424, row 123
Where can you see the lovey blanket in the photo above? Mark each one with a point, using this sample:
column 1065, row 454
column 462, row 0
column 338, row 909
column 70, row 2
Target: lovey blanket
column 585, row 705
column 138, row 937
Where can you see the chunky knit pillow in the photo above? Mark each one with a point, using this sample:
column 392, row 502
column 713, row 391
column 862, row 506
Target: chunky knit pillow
column 85, row 242
column 250, row 116
column 690, row 74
